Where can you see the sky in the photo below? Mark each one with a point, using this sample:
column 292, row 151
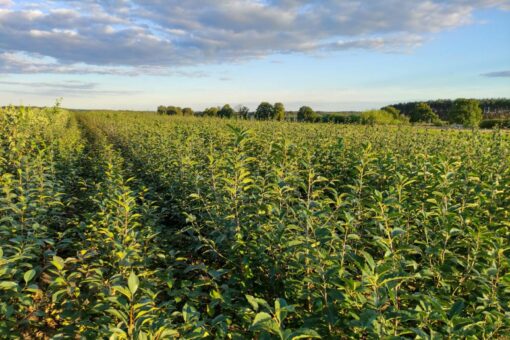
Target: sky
column 328, row 54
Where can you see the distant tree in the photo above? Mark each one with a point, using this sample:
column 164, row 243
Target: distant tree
column 211, row 112
column 161, row 110
column 383, row 117
column 279, row 111
column 422, row 112
column 226, row 111
column 264, row 111
column 187, row 111
column 392, row 110
column 306, row 114
column 466, row 112
column 491, row 108
column 243, row 111
column 173, row 110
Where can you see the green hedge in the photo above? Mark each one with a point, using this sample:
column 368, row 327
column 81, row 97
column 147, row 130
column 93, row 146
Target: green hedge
column 341, row 119
column 492, row 123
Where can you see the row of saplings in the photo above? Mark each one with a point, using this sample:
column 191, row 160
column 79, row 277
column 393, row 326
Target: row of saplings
column 466, row 112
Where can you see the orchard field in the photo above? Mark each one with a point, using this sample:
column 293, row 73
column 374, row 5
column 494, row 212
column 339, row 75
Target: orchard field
column 141, row 226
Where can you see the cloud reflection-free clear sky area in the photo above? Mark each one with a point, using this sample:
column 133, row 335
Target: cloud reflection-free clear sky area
column 329, row 54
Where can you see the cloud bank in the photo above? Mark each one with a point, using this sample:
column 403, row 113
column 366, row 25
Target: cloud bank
column 498, row 74
column 160, row 36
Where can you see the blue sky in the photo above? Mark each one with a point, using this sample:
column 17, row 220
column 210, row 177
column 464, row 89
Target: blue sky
column 329, row 54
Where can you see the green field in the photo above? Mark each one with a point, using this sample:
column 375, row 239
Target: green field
column 142, row 226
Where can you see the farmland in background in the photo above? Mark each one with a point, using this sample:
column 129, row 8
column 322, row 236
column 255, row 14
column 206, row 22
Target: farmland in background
column 144, row 226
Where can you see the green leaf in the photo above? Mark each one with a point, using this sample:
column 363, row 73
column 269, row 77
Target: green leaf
column 58, row 262
column 29, row 275
column 58, row 294
column 253, row 302
column 304, row 333
column 189, row 313
column 293, row 243
column 264, row 321
column 421, row 334
column 369, row 259
column 123, row 290
column 167, row 333
column 33, row 288
column 282, row 309
column 354, row 237
column 8, row 285
column 118, row 314
column 492, row 271
column 258, row 302
column 133, row 283
column 455, row 231
column 457, row 308
column 397, row 231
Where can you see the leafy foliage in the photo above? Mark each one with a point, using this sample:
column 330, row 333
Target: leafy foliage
column 466, row 112
column 265, row 111
column 492, row 108
column 242, row 112
column 279, row 111
column 383, row 117
column 211, row 112
column 422, row 112
column 226, row 111
column 307, row 114
column 170, row 110
column 187, row 111
column 139, row 226
column 341, row 119
column 493, row 123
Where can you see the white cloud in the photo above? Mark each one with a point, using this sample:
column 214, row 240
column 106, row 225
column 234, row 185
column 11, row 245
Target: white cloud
column 6, row 3
column 132, row 36
column 20, row 62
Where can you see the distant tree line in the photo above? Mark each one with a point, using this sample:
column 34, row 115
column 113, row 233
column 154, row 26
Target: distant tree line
column 265, row 111
column 466, row 112
column 491, row 108
column 175, row 110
